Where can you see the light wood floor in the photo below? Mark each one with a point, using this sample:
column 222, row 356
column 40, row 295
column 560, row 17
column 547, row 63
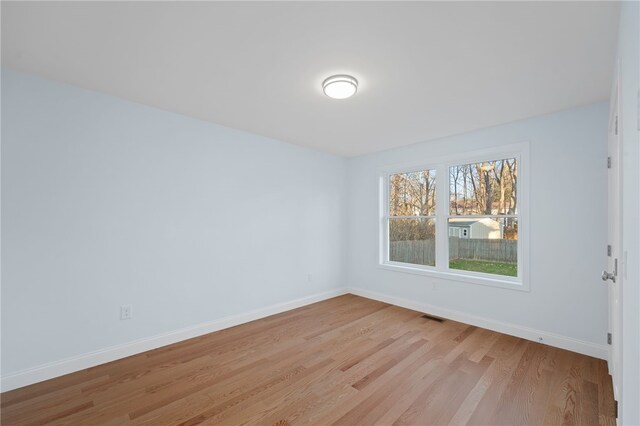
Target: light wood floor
column 347, row 360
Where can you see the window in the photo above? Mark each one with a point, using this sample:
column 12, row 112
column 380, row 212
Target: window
column 411, row 220
column 483, row 199
column 460, row 219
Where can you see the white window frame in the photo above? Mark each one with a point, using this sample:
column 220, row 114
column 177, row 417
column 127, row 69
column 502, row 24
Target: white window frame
column 441, row 166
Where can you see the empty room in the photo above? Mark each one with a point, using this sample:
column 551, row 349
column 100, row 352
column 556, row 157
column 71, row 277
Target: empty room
column 320, row 212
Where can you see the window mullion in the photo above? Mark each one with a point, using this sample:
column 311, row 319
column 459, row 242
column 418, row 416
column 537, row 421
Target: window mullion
column 442, row 211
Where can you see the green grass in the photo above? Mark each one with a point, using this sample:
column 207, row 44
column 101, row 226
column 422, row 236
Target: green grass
column 508, row 269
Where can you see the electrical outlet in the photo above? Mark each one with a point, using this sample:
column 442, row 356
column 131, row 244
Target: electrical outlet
column 125, row 312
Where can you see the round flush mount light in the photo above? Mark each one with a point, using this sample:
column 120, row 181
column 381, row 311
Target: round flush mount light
column 340, row 86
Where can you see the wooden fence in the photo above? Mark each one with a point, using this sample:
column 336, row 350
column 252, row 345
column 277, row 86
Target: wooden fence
column 423, row 252
column 420, row 252
column 483, row 249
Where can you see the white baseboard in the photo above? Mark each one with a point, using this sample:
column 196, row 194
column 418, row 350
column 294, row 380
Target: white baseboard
column 559, row 341
column 91, row 359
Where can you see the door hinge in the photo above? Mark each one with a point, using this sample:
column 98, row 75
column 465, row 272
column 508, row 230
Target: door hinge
column 616, row 125
column 608, row 162
column 608, row 338
column 615, row 408
column 609, row 250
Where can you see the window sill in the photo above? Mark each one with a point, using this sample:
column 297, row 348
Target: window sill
column 472, row 278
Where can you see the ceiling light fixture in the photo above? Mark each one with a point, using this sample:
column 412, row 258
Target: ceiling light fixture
column 340, row 86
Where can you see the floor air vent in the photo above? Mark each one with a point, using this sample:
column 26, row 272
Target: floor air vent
column 429, row 317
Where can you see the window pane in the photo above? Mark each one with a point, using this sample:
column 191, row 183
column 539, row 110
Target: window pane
column 412, row 194
column 485, row 244
column 488, row 188
column 412, row 241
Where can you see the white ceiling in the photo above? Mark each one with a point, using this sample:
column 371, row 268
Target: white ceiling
column 426, row 69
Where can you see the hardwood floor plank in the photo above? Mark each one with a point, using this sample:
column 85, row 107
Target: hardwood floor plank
column 507, row 353
column 362, row 383
column 346, row 361
column 447, row 379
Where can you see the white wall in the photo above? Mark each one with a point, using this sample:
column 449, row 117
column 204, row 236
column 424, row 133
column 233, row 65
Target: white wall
column 107, row 203
column 629, row 72
column 567, row 301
